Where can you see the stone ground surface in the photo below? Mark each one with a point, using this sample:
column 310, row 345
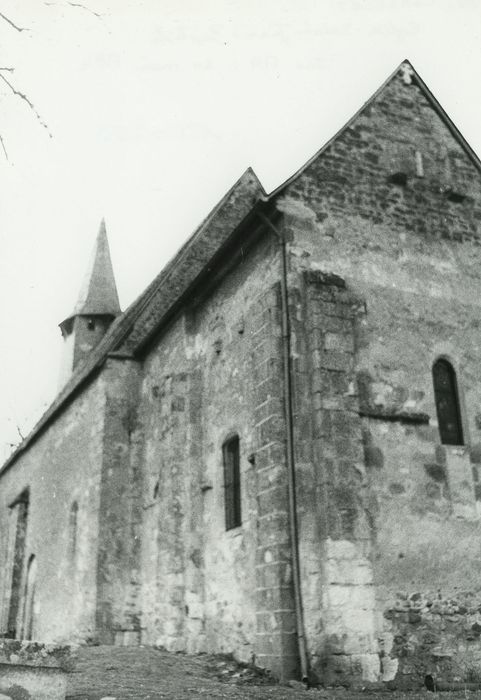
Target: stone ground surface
column 142, row 673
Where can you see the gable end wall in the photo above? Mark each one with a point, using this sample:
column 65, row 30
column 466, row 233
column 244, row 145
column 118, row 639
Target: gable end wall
column 410, row 253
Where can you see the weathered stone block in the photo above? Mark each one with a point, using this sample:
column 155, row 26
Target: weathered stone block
column 277, row 552
column 274, row 574
column 270, row 476
column 460, row 482
column 323, row 423
column 370, row 666
column 276, row 643
column 351, row 598
column 339, row 341
column 33, row 670
column 349, row 572
column 282, row 666
column 271, row 429
column 273, row 499
column 278, row 620
column 273, row 529
column 275, row 598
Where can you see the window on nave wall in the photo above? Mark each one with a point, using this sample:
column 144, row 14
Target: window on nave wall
column 232, row 483
column 72, row 529
column 447, row 403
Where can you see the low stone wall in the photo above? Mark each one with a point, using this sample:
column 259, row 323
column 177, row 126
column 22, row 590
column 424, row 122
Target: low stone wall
column 435, row 634
column 33, row 671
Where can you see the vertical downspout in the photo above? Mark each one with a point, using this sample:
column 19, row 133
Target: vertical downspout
column 291, row 467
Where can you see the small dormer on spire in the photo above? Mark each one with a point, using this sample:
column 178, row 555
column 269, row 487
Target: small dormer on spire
column 97, row 306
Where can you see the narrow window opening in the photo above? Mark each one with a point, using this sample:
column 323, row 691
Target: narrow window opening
column 456, row 197
column 19, row 515
column 399, row 178
column 72, row 529
column 447, row 403
column 419, row 164
column 232, row 485
column 29, row 609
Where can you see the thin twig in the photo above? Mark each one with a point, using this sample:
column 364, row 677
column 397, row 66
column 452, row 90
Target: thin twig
column 24, row 97
column 12, row 24
column 87, row 9
column 3, row 146
column 9, row 68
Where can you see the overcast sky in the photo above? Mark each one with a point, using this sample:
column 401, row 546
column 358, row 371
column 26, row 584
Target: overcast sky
column 154, row 109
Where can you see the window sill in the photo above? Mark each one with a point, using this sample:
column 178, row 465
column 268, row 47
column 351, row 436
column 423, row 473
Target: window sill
column 235, row 531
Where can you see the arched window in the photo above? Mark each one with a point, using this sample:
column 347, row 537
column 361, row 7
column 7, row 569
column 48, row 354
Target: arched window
column 232, row 485
column 72, row 529
column 447, row 403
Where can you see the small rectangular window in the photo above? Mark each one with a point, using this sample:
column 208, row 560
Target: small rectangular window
column 232, row 487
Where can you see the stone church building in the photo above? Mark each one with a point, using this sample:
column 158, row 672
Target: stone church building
column 275, row 451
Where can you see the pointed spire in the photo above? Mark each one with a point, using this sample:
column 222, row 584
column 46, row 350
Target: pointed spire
column 96, row 308
column 98, row 295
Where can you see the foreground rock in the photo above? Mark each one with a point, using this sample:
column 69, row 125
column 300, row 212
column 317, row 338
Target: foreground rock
column 33, row 671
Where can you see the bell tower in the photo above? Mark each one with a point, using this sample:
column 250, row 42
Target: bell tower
column 96, row 308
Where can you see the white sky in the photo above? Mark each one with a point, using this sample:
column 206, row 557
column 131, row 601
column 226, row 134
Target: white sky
column 155, row 109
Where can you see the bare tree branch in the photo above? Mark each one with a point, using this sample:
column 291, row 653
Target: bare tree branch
column 12, row 24
column 24, row 97
column 3, row 147
column 87, row 9
column 11, row 70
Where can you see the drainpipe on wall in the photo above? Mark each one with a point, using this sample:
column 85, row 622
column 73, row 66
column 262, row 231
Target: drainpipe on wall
column 291, row 467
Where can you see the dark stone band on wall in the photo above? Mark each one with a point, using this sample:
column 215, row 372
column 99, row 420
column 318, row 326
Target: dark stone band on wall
column 401, row 416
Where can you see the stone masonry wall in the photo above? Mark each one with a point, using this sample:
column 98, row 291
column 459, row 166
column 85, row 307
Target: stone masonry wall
column 63, row 468
column 214, row 373
column 406, row 241
column 276, row 644
column 118, row 554
column 334, row 503
column 170, row 552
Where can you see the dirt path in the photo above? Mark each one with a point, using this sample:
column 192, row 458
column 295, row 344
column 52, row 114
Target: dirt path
column 142, row 673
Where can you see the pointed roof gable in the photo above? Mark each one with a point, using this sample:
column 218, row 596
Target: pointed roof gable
column 98, row 295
